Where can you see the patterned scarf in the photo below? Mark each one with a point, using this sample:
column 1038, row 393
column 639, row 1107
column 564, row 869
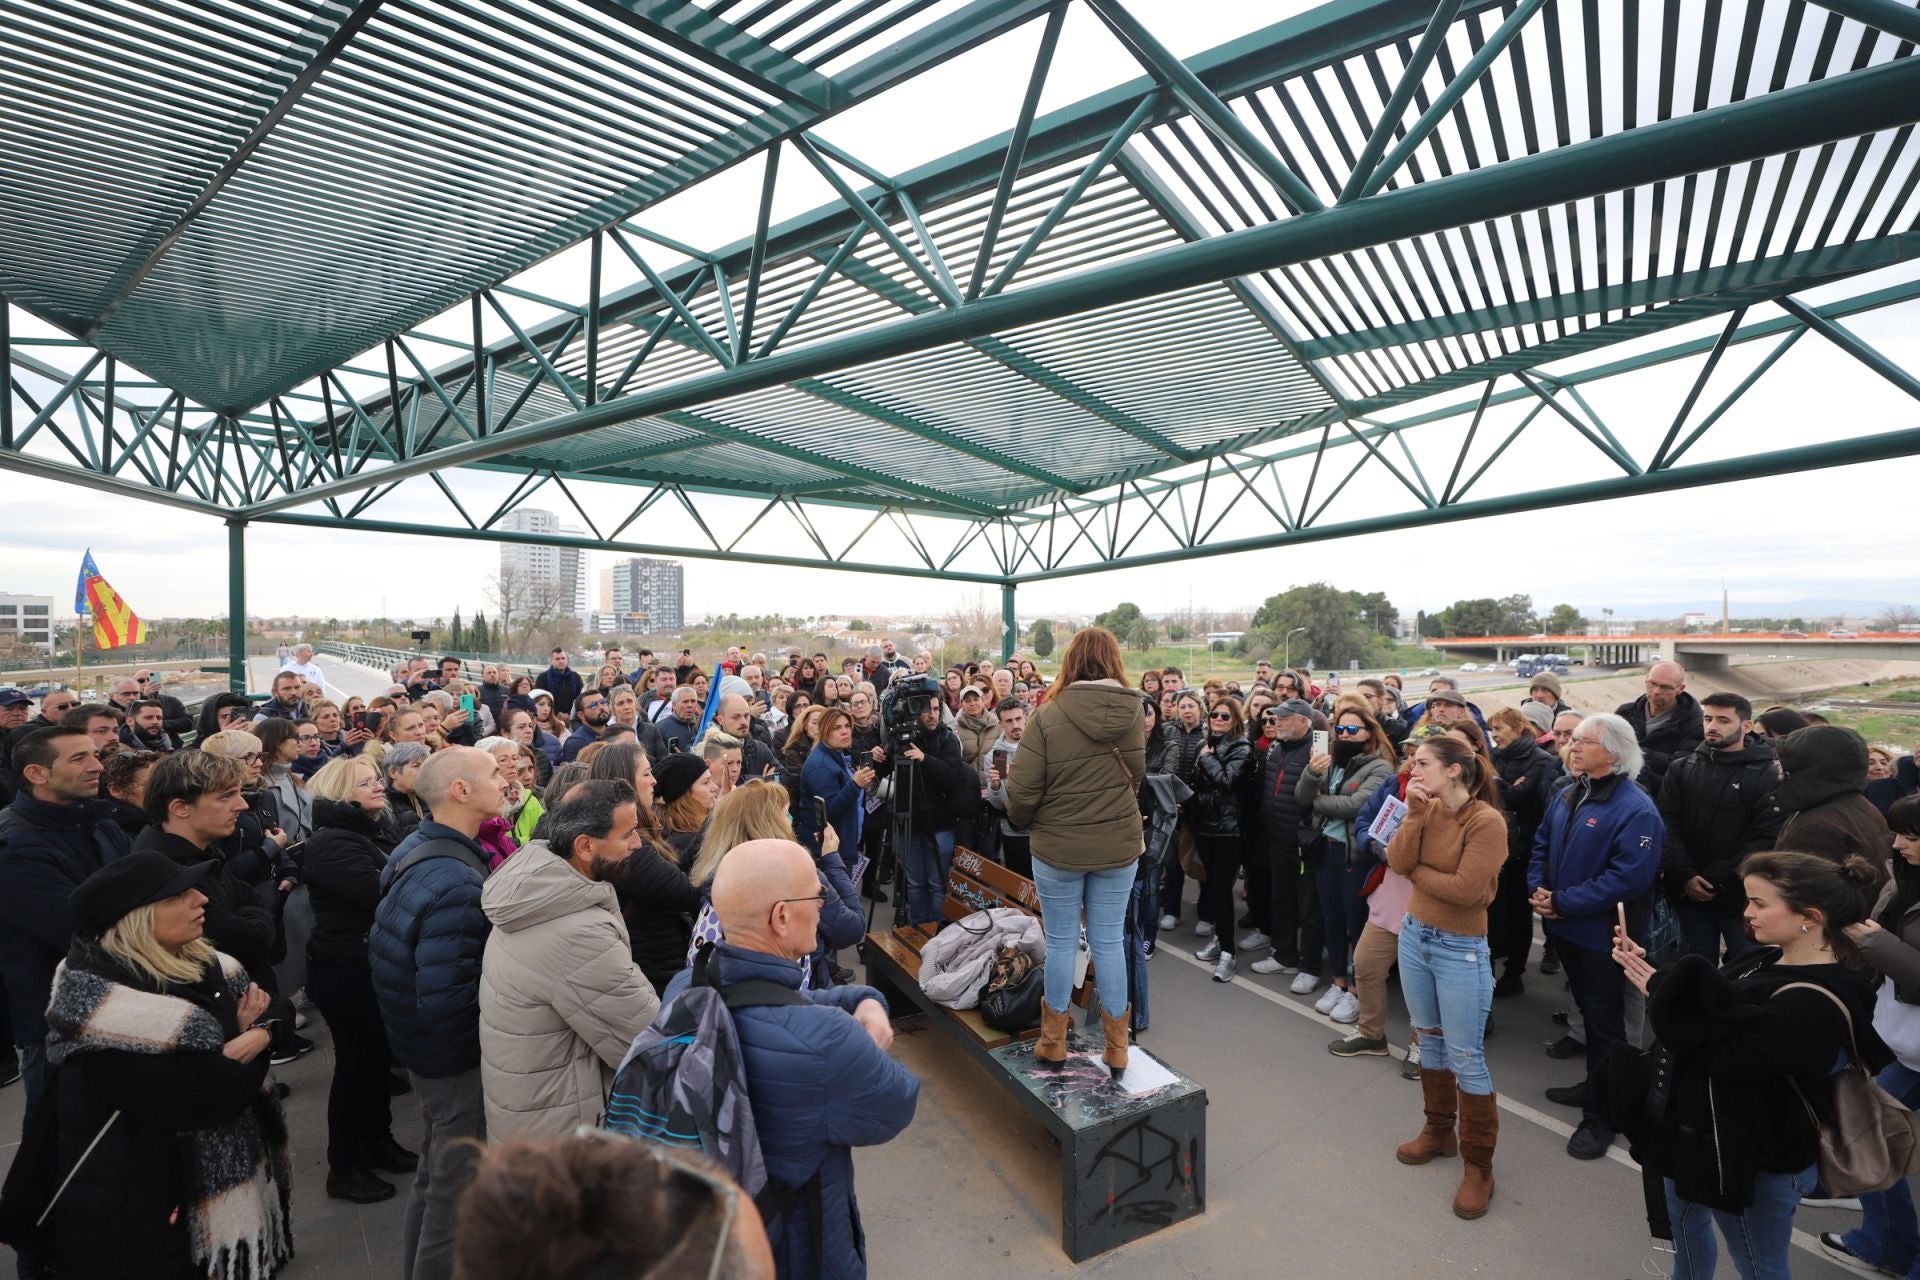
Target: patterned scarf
column 237, row 1200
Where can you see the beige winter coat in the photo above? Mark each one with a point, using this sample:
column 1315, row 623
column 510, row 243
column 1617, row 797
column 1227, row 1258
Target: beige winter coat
column 560, row 996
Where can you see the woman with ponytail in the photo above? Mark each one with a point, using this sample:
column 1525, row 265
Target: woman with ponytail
column 1451, row 846
column 1719, row 1108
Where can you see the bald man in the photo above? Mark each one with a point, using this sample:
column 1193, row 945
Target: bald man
column 1666, row 719
column 734, row 717
column 818, row 1073
column 428, row 939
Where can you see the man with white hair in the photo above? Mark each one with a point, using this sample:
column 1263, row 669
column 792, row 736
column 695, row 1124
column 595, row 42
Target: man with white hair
column 1597, row 851
column 679, row 726
column 303, row 665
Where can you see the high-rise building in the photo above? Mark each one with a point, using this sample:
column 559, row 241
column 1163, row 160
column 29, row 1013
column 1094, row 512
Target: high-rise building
column 564, row 567
column 28, row 620
column 604, row 601
column 649, row 590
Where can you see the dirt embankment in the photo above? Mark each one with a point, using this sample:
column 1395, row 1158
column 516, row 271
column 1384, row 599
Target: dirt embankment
column 1762, row 683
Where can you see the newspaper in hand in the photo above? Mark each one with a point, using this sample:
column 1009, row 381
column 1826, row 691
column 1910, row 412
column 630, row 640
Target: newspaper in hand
column 1387, row 821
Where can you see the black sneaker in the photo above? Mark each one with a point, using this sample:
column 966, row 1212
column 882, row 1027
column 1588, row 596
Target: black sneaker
column 1590, row 1141
column 358, row 1186
column 1509, row 985
column 1549, row 964
column 297, row 1047
column 1835, row 1247
column 1561, row 1017
column 1569, row 1095
column 1567, row 1047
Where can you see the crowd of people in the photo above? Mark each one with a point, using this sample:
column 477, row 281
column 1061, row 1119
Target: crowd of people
column 487, row 888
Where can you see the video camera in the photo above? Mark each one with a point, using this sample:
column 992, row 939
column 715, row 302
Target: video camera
column 902, row 703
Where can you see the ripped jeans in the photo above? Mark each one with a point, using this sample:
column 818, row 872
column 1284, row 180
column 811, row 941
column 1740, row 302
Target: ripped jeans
column 1447, row 979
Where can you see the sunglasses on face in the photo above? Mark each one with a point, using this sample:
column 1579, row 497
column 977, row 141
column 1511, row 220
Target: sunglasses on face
column 1221, row 715
column 1350, row 730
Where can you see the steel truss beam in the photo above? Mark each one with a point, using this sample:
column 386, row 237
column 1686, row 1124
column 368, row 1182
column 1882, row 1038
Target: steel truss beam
column 1843, row 106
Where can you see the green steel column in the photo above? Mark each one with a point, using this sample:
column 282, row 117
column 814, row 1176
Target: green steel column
column 1009, row 625
column 237, row 605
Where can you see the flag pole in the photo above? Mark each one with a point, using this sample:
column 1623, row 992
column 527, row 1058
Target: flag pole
column 79, row 649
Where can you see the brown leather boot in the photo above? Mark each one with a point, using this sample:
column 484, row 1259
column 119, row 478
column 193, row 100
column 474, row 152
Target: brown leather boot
column 1479, row 1129
column 1051, row 1047
column 1436, row 1138
column 1115, row 1025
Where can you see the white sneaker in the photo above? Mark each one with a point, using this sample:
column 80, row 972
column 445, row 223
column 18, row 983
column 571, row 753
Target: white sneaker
column 1169, row 921
column 1849, row 1203
column 1224, row 970
column 1347, row 1009
column 1255, row 941
column 1304, row 983
column 1271, row 966
column 1326, row 1002
column 299, row 1021
column 1203, row 928
column 1209, row 951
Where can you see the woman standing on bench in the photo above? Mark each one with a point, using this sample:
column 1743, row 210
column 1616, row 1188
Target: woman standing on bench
column 1073, row 787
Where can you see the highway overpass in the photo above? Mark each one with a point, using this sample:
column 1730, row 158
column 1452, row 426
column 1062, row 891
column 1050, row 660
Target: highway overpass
column 1697, row 651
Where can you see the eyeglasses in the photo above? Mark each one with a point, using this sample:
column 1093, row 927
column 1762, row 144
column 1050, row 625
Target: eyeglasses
column 1349, row 730
column 252, row 757
column 307, row 737
column 818, row 899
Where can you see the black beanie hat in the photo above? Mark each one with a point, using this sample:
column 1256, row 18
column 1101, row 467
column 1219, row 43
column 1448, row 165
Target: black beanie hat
column 675, row 776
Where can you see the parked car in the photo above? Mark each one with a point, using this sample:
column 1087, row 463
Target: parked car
column 1469, row 666
column 1841, row 633
column 1430, row 671
column 1793, row 635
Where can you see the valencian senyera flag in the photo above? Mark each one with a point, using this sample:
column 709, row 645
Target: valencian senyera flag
column 114, row 623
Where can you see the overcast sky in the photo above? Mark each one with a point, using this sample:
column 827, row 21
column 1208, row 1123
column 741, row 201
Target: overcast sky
column 1837, row 533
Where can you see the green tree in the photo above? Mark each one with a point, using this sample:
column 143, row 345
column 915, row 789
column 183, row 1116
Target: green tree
column 477, row 634
column 1333, row 632
column 1565, row 620
column 1142, row 634
column 1176, row 632
column 857, row 625
column 1478, row 617
column 1120, row 618
column 1377, row 613
column 457, row 636
column 1516, row 615
column 1041, row 638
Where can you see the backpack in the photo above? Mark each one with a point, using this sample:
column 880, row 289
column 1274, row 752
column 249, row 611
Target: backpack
column 684, row 1084
column 1871, row 1144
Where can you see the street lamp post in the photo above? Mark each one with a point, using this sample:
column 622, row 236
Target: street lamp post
column 1286, row 648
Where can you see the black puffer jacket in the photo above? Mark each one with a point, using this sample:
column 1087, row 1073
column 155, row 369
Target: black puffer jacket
column 946, row 787
column 1221, row 788
column 1183, row 751
column 345, row 855
column 1524, row 776
column 1280, row 814
column 1682, row 733
column 1718, row 807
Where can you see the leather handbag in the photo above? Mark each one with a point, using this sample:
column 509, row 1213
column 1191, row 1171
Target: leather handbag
column 1871, row 1144
column 1010, row 1001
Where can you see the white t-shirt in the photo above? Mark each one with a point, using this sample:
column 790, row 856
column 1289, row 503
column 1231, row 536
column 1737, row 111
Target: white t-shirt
column 306, row 671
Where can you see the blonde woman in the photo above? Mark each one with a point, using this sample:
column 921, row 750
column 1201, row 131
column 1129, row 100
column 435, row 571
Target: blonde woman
column 166, row 1120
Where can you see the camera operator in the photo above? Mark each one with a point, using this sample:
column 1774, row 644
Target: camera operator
column 935, row 790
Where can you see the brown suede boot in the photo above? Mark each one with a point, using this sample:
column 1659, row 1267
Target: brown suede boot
column 1115, row 1025
column 1051, row 1047
column 1436, row 1138
column 1479, row 1129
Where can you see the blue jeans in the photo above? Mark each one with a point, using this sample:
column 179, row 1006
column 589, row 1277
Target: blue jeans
column 1103, row 896
column 1447, row 979
column 1342, row 910
column 928, row 859
column 1888, row 1235
column 1758, row 1241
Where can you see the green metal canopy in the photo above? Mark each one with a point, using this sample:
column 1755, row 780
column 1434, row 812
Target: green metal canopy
column 273, row 259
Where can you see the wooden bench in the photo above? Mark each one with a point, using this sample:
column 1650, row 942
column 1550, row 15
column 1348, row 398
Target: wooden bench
column 1133, row 1158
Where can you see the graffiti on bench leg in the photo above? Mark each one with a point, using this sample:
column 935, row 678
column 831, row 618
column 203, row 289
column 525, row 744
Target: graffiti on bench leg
column 1145, row 1161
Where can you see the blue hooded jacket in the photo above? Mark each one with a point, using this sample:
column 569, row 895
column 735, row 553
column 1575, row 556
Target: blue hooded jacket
column 828, row 774
column 1599, row 844
column 428, row 936
column 819, row 1087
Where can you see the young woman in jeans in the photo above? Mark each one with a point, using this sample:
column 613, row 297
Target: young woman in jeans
column 1073, row 787
column 1451, row 845
column 1888, row 1236
column 1741, row 1055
